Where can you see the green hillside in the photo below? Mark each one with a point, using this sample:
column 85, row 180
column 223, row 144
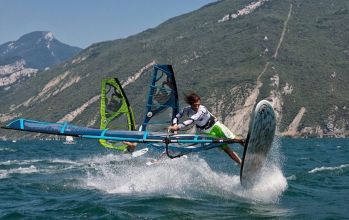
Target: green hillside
column 219, row 60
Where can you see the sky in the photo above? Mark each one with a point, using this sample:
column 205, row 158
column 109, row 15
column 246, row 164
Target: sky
column 83, row 22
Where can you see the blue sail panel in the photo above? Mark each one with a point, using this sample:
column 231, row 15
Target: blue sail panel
column 51, row 128
column 162, row 103
column 57, row 128
column 175, row 145
column 73, row 130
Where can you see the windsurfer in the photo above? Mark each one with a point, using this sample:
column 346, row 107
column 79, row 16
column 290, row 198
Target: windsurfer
column 205, row 123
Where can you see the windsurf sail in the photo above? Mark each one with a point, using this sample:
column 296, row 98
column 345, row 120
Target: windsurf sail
column 115, row 111
column 162, row 103
column 64, row 128
column 117, row 120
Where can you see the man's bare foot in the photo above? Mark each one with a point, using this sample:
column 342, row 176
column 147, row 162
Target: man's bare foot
column 130, row 146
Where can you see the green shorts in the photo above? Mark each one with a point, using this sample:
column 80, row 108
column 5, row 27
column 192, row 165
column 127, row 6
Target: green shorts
column 221, row 131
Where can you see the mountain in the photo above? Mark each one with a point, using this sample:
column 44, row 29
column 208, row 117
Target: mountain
column 39, row 49
column 232, row 52
column 31, row 53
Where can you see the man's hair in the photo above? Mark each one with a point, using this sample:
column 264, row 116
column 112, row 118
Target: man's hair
column 191, row 98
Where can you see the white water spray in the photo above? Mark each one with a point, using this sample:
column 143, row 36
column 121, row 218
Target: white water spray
column 190, row 177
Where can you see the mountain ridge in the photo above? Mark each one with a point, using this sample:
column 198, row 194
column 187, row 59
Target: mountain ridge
column 46, row 48
column 29, row 55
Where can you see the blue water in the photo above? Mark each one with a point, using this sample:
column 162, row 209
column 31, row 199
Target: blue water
column 303, row 179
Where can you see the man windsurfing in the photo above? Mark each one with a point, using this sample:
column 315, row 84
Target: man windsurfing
column 205, row 123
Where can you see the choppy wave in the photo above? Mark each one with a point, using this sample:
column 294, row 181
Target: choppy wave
column 19, row 170
column 320, row 169
column 47, row 166
column 18, row 162
column 7, row 149
column 292, row 177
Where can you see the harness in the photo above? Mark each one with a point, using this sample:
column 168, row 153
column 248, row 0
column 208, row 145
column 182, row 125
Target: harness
column 209, row 123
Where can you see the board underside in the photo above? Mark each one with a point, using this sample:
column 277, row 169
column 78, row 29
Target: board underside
column 258, row 143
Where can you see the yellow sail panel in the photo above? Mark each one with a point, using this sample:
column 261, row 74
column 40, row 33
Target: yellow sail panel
column 115, row 110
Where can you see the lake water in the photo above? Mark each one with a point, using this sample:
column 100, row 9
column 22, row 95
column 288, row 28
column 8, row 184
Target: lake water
column 303, row 179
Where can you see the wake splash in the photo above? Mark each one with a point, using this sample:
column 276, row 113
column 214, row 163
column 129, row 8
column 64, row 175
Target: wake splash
column 190, row 178
column 182, row 177
column 272, row 182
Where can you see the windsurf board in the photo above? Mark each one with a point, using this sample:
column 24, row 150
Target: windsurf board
column 258, row 142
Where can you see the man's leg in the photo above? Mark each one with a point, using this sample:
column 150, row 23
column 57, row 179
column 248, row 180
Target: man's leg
column 232, row 155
